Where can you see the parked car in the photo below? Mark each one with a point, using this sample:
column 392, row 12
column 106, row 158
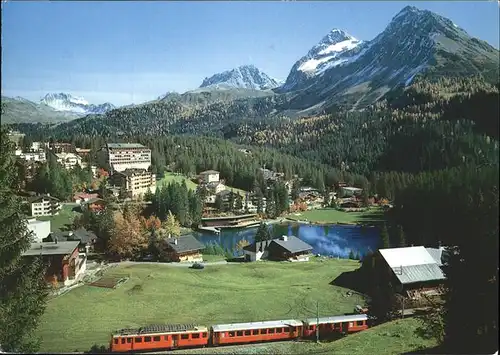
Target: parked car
column 197, row 266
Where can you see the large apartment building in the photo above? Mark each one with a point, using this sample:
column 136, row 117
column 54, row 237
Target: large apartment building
column 68, row 160
column 44, row 205
column 135, row 182
column 122, row 156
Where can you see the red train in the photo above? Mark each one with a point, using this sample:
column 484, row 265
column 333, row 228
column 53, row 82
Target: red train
column 176, row 336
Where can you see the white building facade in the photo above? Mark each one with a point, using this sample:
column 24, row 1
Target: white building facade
column 122, row 156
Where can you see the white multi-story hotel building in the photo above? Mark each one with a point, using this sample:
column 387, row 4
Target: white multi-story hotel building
column 136, row 182
column 68, row 160
column 44, row 205
column 122, row 156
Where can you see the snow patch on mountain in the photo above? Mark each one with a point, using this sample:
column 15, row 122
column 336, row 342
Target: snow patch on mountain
column 243, row 77
column 78, row 105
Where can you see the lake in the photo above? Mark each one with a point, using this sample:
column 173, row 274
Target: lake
column 328, row 240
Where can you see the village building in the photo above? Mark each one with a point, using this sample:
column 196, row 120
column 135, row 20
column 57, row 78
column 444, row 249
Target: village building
column 61, row 147
column 122, row 156
column 209, row 176
column 348, row 191
column 16, row 137
column 35, row 156
column 39, row 229
column 83, row 153
column 286, row 248
column 86, row 238
column 185, row 248
column 135, row 182
column 214, row 187
column 66, row 264
column 95, row 205
column 413, row 270
column 82, row 197
column 44, row 205
column 228, row 197
column 68, row 160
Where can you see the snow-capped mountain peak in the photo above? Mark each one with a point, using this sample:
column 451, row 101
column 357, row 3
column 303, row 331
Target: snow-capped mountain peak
column 334, row 49
column 243, row 77
column 78, row 105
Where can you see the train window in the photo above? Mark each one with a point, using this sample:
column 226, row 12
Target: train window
column 195, row 335
column 156, row 338
column 175, row 337
column 359, row 322
column 263, row 331
column 351, row 324
column 239, row 333
column 138, row 340
column 311, row 327
column 248, row 332
column 116, row 340
column 184, row 336
column 231, row 334
column 279, row 330
column 165, row 337
column 123, row 341
column 129, row 340
column 272, row 330
column 204, row 335
column 147, row 339
column 289, row 330
column 255, row 332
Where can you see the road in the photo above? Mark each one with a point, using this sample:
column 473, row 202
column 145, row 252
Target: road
column 222, row 262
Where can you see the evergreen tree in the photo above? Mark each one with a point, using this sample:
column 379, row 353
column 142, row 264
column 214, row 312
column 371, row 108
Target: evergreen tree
column 148, row 196
column 384, row 238
column 262, row 233
column 351, row 255
column 23, row 290
column 400, row 237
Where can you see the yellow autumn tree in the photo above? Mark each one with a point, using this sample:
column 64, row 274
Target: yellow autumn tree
column 171, row 227
column 128, row 238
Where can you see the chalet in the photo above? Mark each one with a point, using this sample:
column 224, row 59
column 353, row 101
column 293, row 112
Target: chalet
column 66, row 264
column 40, row 229
column 209, row 176
column 288, row 248
column 44, row 205
column 185, row 248
column 61, row 147
column 81, row 197
column 94, row 205
column 226, row 196
column 68, row 160
column 351, row 191
column 413, row 270
column 85, row 238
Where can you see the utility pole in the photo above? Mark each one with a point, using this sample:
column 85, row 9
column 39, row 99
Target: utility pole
column 317, row 322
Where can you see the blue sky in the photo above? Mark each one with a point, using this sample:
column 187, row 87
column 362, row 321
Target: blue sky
column 131, row 52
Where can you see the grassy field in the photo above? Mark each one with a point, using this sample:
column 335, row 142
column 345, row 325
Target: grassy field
column 63, row 220
column 171, row 177
column 331, row 215
column 217, row 294
column 397, row 337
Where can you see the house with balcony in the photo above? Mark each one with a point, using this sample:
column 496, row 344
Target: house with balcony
column 286, row 248
column 209, row 176
column 44, row 205
column 185, row 248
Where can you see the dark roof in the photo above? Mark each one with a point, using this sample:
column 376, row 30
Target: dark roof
column 61, row 248
column 131, row 172
column 39, row 197
column 185, row 243
column 82, row 235
column 292, row 245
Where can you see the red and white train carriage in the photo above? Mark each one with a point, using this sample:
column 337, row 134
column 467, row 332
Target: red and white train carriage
column 335, row 325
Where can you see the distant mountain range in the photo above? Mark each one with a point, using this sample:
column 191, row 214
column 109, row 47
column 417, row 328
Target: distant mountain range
column 338, row 70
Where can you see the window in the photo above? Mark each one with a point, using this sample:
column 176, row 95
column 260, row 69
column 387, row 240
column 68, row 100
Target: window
column 239, row 333
column 272, row 330
column 147, row 339
column 248, row 332
column 311, row 327
column 255, row 332
column 129, row 340
column 184, row 336
column 351, row 324
column 175, row 337
column 359, row 322
column 231, row 334
column 195, row 335
column 263, row 331
column 123, row 341
column 116, row 340
column 138, row 340
column 279, row 330
column 156, row 338
column 204, row 335
column 165, row 337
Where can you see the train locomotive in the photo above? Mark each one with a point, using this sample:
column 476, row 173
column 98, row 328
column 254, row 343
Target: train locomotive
column 179, row 336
